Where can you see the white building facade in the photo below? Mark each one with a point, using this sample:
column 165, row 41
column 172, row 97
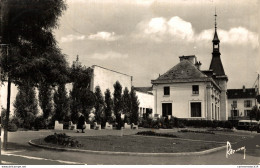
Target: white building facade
column 241, row 102
column 106, row 78
column 186, row 92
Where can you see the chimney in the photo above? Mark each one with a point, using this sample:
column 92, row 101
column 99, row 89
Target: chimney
column 198, row 64
column 244, row 88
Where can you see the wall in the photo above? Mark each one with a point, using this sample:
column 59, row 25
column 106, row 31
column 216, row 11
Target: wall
column 240, row 106
column 180, row 97
column 223, row 99
column 146, row 101
column 106, row 79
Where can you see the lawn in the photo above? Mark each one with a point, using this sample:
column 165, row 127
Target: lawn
column 153, row 144
column 140, row 144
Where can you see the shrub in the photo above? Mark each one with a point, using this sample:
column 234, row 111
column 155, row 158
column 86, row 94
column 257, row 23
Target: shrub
column 62, row 139
column 203, row 132
column 39, row 123
column 152, row 133
column 12, row 127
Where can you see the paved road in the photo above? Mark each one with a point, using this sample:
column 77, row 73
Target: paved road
column 23, row 153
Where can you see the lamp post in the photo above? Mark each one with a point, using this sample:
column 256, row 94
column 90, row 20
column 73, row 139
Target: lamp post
column 8, row 98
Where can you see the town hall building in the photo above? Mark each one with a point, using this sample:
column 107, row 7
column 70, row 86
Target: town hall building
column 187, row 92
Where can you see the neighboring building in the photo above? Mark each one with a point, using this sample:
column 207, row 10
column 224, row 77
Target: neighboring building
column 185, row 91
column 241, row 102
column 146, row 100
column 106, row 78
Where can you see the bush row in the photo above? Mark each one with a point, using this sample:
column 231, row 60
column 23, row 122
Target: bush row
column 181, row 123
column 152, row 133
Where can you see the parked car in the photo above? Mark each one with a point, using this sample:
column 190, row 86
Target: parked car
column 247, row 125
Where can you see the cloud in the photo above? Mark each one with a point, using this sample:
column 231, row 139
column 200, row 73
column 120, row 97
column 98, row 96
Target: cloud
column 71, row 38
column 236, row 36
column 106, row 36
column 108, row 55
column 160, row 28
column 180, row 28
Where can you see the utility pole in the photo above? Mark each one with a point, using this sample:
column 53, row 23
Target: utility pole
column 5, row 45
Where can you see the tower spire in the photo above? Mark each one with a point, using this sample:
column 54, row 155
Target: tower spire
column 215, row 19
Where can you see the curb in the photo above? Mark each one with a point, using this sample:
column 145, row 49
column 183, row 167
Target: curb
column 129, row 153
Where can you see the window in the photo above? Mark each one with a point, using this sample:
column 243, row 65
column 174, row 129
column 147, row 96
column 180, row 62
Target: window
column 234, row 104
column 235, row 113
column 166, row 109
column 247, row 113
column 166, row 90
column 195, row 89
column 248, row 103
column 195, row 109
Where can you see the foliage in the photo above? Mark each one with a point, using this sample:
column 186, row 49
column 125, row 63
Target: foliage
column 62, row 139
column 126, row 105
column 28, row 30
column 61, row 104
column 40, row 123
column 118, row 104
column 12, row 127
column 134, row 107
column 203, row 132
column 152, row 133
column 3, row 116
column 45, row 99
column 255, row 113
column 99, row 105
column 25, row 105
column 82, row 100
column 166, row 123
column 108, row 106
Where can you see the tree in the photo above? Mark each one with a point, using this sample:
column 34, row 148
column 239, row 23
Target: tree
column 25, row 105
column 108, row 105
column 126, row 104
column 61, row 104
column 81, row 98
column 31, row 54
column 255, row 113
column 99, row 106
column 134, row 107
column 45, row 99
column 118, row 103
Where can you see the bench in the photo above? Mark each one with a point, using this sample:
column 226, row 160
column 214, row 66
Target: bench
column 134, row 126
column 97, row 126
column 58, row 126
column 108, row 126
column 127, row 126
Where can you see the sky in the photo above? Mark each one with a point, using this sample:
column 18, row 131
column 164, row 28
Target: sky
column 144, row 38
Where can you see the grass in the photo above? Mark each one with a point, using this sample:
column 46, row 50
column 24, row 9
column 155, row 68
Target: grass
column 153, row 144
column 140, row 144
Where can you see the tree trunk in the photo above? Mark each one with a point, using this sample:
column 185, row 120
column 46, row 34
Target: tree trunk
column 7, row 113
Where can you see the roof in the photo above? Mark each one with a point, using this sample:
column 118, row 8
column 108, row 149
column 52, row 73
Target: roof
column 216, row 66
column 183, row 70
column 93, row 66
column 143, row 89
column 215, row 39
column 240, row 94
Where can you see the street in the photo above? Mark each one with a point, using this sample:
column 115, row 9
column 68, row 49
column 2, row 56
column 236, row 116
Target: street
column 20, row 152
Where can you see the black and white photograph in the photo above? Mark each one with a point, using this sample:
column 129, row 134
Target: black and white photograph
column 129, row 82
